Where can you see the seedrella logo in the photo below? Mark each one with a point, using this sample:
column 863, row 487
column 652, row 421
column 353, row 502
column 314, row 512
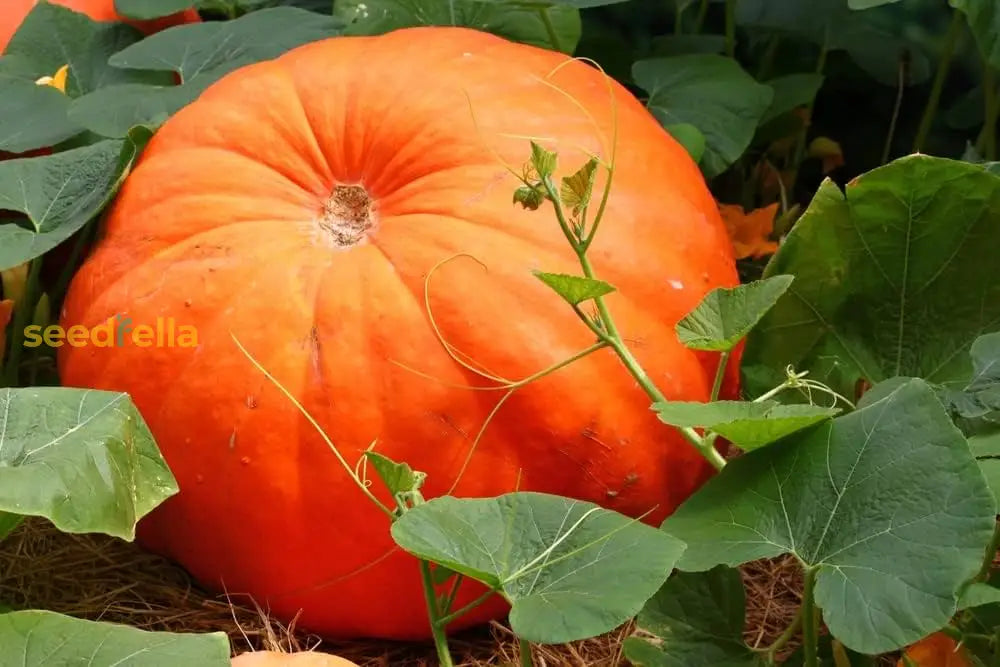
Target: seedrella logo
column 117, row 331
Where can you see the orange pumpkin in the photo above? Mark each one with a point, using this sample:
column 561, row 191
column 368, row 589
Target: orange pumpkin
column 301, row 659
column 299, row 205
column 14, row 12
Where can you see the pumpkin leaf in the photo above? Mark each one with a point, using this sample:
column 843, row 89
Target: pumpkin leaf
column 193, row 53
column 43, row 638
column 542, row 160
column 577, row 189
column 990, row 468
column 52, row 36
column 8, row 523
column 978, row 594
column 840, row 498
column 151, row 9
column 712, row 93
column 690, row 137
column 977, row 399
column 59, row 193
column 727, row 314
column 878, row 269
column 984, row 20
column 398, row 477
column 530, row 197
column 519, row 22
column 570, row 569
column 575, row 289
column 695, row 620
column 790, row 93
column 82, row 459
column 32, row 116
column 747, row 424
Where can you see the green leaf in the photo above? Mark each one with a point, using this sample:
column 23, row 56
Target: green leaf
column 570, row 569
column 711, row 92
column 32, row 116
column 791, row 92
column 542, row 160
column 520, row 22
column 529, row 197
column 747, row 424
column 679, row 45
column 976, row 401
column 397, row 477
column 192, row 51
column 52, row 36
column 8, row 523
column 726, row 315
column 694, row 620
column 151, row 9
column 82, row 459
column 691, row 138
column 44, row 638
column 895, row 277
column 577, row 189
column 978, row 594
column 985, row 444
column 984, row 19
column 868, row 4
column 849, row 498
column 575, row 289
column 59, row 193
column 991, row 472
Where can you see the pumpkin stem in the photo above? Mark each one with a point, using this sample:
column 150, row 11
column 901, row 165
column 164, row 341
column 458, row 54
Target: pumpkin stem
column 347, row 215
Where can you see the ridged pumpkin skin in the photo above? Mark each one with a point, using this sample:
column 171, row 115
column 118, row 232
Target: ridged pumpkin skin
column 14, row 11
column 230, row 222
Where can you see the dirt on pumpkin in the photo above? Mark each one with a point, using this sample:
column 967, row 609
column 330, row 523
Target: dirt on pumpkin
column 104, row 578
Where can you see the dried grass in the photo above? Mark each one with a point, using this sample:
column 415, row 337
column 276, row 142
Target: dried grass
column 107, row 579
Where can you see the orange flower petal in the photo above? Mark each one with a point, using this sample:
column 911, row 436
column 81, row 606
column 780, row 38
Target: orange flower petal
column 937, row 650
column 750, row 232
column 57, row 81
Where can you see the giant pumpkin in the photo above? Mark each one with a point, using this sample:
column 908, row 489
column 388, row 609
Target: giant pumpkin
column 14, row 11
column 299, row 206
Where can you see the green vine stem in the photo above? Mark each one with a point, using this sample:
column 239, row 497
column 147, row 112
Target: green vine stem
column 902, row 75
column 810, row 621
column 987, row 143
column 23, row 312
column 991, row 552
column 944, row 67
column 699, row 24
column 771, row 651
column 524, row 649
column 550, row 28
column 720, row 375
column 731, row 28
column 437, row 628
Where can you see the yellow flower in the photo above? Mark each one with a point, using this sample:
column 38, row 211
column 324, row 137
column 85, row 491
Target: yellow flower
column 750, row 231
column 57, row 81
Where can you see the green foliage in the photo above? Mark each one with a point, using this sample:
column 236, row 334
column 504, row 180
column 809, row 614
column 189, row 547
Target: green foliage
column 893, row 277
column 840, row 498
column 41, row 639
column 151, row 9
column 570, row 569
column 575, row 289
column 984, row 19
column 726, row 315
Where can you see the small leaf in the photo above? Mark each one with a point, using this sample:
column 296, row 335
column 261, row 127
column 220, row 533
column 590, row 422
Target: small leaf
column 529, row 197
column 576, row 190
column 570, row 569
column 694, row 620
column 575, row 289
column 711, row 92
column 748, row 425
column 840, row 497
column 979, row 396
column 727, row 314
column 978, row 594
column 690, row 137
column 542, row 160
column 398, row 477
column 144, row 10
column 82, row 459
column 59, row 193
column 44, row 638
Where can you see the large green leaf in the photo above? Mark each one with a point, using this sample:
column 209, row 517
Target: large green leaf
column 570, row 569
column 193, row 52
column 896, row 276
column 512, row 20
column 984, row 19
column 59, row 193
column 887, row 503
column 710, row 92
column 695, row 620
column 52, row 36
column 32, row 116
column 47, row 639
column 82, row 459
